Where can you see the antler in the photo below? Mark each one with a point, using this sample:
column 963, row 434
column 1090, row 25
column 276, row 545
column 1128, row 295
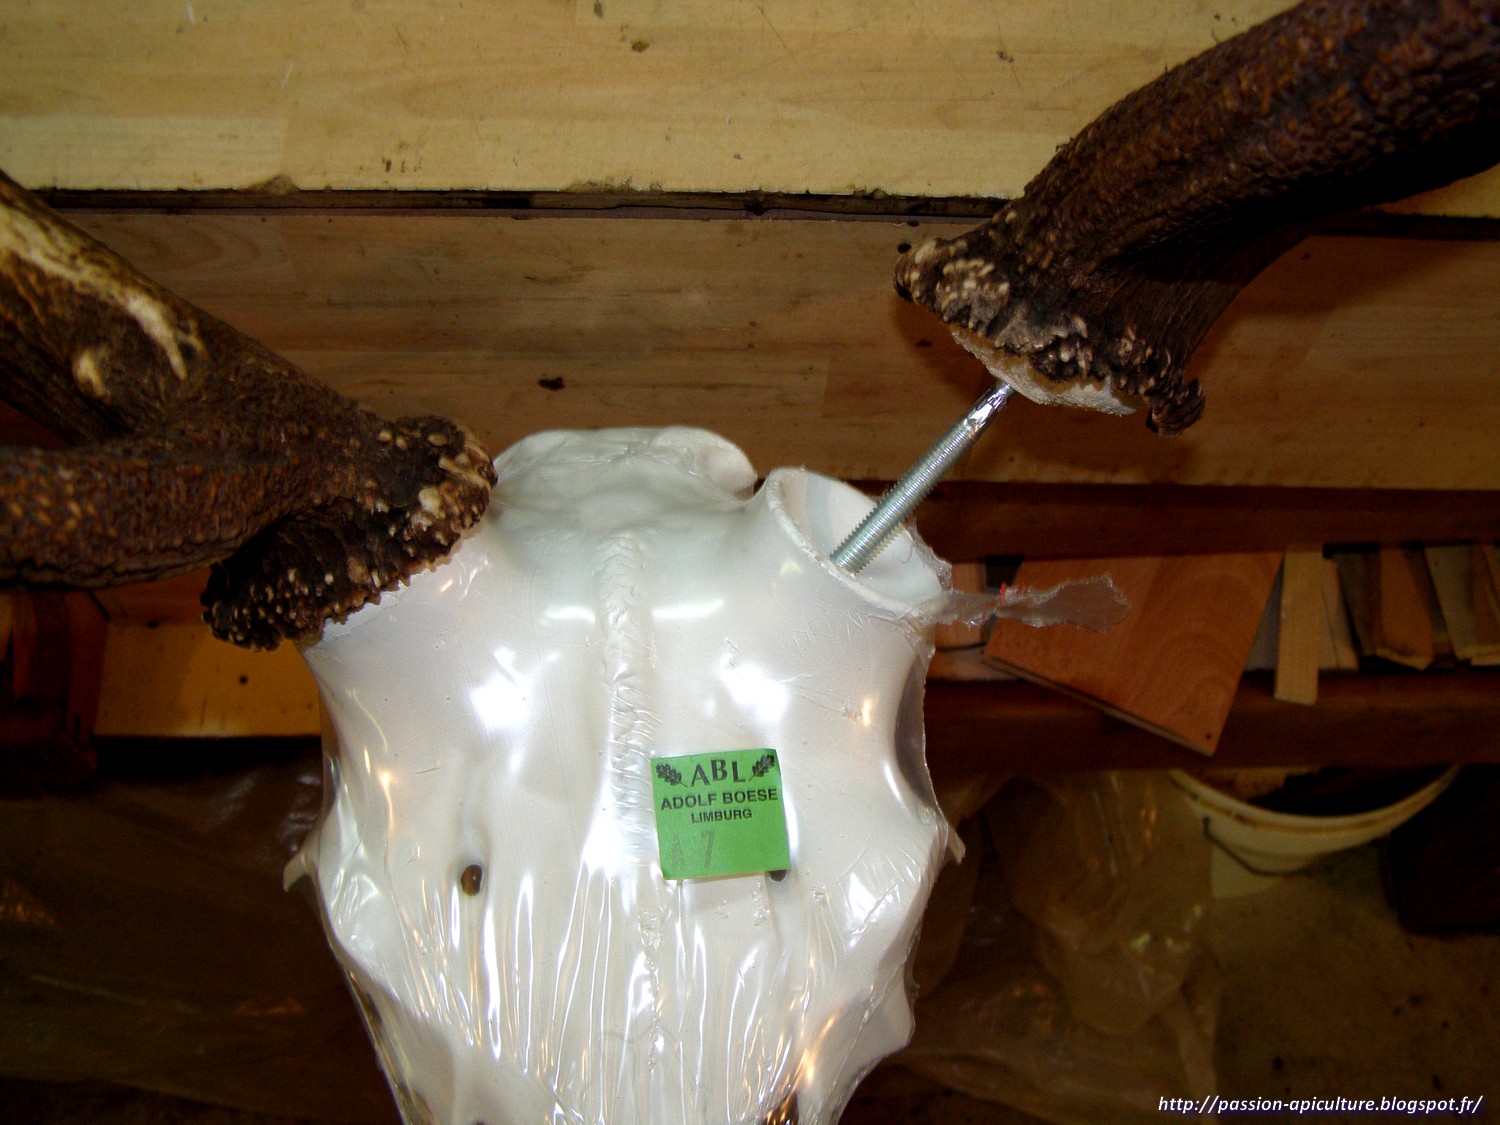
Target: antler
column 1119, row 255
column 197, row 445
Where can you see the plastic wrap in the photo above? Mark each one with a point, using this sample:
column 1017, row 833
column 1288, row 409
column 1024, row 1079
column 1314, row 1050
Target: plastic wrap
column 488, row 858
column 145, row 938
column 1080, row 990
column 1092, row 603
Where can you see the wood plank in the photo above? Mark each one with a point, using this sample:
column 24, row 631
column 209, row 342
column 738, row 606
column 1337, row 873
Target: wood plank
column 167, row 601
column 1487, row 578
column 177, row 681
column 8, row 600
column 952, row 97
column 1393, row 719
column 971, row 518
column 972, row 727
column 1173, row 664
column 786, row 337
column 86, row 630
column 1462, row 584
column 1301, row 624
column 1356, row 573
column 1399, row 621
column 1337, row 649
column 22, row 640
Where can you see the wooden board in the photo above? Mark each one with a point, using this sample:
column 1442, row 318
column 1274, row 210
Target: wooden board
column 971, row 520
column 1352, row 363
column 1369, row 719
column 168, row 601
column 1301, row 624
column 1400, row 621
column 948, row 97
column 1466, row 595
column 1175, row 662
column 177, row 681
column 1337, row 649
column 967, row 578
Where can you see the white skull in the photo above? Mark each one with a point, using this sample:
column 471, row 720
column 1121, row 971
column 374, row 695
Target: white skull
column 487, row 859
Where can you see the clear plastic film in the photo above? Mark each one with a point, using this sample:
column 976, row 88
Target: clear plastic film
column 144, row 939
column 489, row 861
column 1092, row 603
column 1078, row 988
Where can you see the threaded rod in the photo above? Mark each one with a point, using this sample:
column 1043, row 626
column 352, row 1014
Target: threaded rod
column 876, row 529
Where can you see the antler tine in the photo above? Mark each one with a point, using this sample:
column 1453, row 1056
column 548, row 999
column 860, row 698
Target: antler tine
column 201, row 446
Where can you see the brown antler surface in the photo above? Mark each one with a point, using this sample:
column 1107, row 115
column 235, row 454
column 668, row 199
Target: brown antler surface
column 196, row 445
column 1109, row 269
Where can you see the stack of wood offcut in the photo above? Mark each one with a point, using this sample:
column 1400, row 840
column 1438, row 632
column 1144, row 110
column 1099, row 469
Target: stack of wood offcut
column 1197, row 621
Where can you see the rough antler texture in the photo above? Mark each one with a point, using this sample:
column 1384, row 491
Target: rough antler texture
column 1121, row 253
column 198, row 445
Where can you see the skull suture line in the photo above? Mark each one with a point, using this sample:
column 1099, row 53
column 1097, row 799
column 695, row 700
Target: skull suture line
column 488, row 858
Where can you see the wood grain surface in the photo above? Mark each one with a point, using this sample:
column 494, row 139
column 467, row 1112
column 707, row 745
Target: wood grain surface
column 1352, row 363
column 1400, row 619
column 945, row 97
column 1468, row 599
column 1370, row 719
column 177, row 681
column 1301, row 625
column 1173, row 665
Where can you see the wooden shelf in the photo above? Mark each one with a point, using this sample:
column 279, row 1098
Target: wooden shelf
column 1385, row 719
column 1394, row 719
column 974, row 519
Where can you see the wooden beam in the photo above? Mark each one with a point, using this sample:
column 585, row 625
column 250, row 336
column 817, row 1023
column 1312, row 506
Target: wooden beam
column 967, row 521
column 1400, row 617
column 1360, row 719
column 176, row 682
column 842, row 97
column 972, row 519
column 1365, row 719
column 786, row 337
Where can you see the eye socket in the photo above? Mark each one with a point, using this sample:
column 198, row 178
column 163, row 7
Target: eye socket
column 471, row 879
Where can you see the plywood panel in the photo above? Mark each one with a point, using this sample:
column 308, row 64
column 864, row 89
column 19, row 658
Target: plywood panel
column 1351, row 363
column 1173, row 665
column 945, row 97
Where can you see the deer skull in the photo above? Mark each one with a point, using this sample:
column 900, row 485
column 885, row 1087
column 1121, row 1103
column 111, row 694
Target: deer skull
column 488, row 857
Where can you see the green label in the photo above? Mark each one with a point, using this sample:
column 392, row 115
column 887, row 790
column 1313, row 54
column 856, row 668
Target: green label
column 719, row 814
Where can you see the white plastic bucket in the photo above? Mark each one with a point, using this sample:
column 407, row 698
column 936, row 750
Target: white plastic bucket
column 1254, row 848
